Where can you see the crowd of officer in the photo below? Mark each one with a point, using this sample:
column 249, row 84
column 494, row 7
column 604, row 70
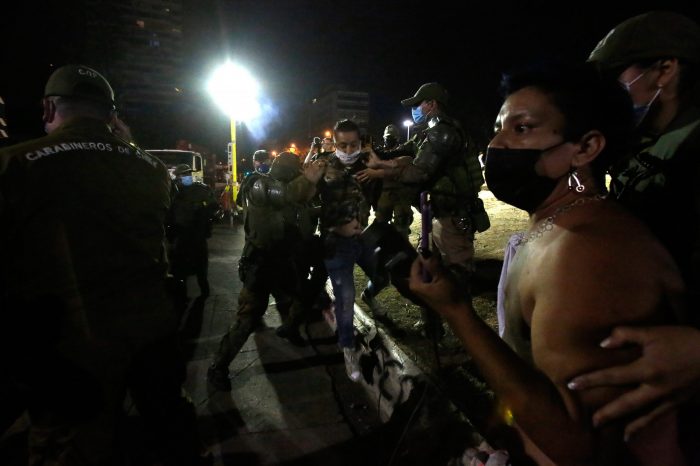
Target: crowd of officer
column 108, row 313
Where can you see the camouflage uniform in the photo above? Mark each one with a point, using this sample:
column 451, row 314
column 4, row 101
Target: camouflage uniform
column 273, row 224
column 342, row 200
column 658, row 178
column 394, row 205
column 453, row 178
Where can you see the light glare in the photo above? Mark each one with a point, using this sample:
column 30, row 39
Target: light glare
column 235, row 91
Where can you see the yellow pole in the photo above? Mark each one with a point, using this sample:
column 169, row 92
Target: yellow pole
column 234, row 173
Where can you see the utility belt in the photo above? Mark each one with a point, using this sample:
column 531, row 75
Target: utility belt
column 469, row 213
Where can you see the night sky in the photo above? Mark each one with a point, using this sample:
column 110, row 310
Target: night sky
column 299, row 48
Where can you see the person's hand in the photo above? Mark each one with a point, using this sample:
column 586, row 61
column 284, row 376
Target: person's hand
column 315, row 170
column 433, row 284
column 373, row 161
column 667, row 373
column 348, row 230
column 363, row 176
column 120, row 129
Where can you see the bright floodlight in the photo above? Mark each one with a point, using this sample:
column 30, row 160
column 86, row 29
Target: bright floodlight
column 235, row 91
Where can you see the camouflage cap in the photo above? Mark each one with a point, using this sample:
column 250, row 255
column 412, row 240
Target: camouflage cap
column 391, row 130
column 427, row 91
column 651, row 35
column 261, row 155
column 79, row 81
column 182, row 169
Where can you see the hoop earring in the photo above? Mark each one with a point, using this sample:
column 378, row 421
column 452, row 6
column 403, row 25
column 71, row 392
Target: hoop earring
column 573, row 178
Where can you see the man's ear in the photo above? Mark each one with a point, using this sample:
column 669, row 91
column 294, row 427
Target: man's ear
column 591, row 145
column 668, row 70
column 49, row 110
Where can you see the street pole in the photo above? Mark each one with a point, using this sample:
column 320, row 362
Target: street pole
column 408, row 124
column 234, row 172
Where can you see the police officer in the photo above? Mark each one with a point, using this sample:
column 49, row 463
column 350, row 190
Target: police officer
column 272, row 206
column 656, row 57
column 83, row 264
column 450, row 174
column 190, row 222
column 261, row 161
column 394, row 203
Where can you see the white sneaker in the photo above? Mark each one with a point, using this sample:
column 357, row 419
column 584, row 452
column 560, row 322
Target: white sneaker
column 352, row 364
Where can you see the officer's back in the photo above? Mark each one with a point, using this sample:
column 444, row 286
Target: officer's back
column 84, row 208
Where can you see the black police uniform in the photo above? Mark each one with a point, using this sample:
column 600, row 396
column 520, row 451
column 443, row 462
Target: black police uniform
column 83, row 266
column 267, row 265
column 189, row 226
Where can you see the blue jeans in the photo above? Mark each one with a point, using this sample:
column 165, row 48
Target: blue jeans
column 346, row 252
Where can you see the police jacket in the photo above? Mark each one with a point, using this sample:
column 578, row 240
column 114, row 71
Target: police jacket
column 192, row 209
column 444, row 167
column 658, row 181
column 82, row 214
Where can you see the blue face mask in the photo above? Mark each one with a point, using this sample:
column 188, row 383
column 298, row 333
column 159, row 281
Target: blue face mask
column 639, row 111
column 418, row 116
column 186, row 180
column 263, row 168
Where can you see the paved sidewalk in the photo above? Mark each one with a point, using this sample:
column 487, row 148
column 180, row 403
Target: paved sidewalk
column 295, row 405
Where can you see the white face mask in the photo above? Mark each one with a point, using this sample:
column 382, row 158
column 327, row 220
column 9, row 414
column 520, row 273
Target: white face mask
column 347, row 159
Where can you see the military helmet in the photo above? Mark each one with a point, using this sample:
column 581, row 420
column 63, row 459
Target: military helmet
column 261, row 155
column 656, row 34
column 285, row 167
column 182, row 169
column 391, row 130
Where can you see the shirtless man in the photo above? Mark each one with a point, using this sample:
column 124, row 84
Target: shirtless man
column 556, row 132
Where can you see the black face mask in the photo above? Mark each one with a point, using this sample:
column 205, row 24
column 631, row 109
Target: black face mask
column 511, row 177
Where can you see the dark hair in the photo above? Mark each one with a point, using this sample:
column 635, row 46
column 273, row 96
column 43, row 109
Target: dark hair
column 346, row 126
column 588, row 101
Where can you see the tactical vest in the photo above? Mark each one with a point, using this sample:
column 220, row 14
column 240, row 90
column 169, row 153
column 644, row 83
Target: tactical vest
column 455, row 187
column 659, row 184
column 274, row 225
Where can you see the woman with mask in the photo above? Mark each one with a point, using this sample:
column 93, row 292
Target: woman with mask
column 584, row 265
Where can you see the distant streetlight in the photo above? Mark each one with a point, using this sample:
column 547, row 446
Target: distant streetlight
column 236, row 92
column 408, row 124
column 327, row 134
